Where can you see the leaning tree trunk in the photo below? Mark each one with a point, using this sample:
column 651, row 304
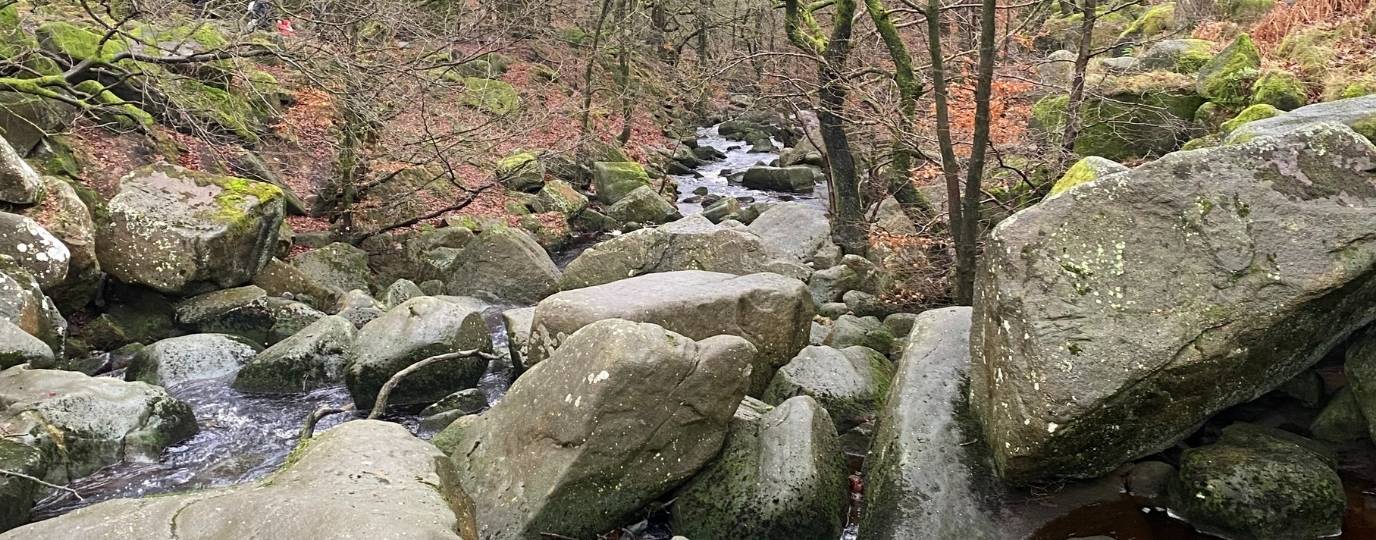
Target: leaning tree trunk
column 967, row 250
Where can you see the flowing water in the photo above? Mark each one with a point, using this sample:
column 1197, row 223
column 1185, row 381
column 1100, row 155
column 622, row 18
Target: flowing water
column 738, row 159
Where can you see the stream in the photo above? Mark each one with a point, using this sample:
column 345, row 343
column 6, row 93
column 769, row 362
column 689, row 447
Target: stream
column 738, row 159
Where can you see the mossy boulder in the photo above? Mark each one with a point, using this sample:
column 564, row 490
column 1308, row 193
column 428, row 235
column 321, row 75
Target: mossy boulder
column 1184, row 56
column 1084, row 171
column 1156, row 20
column 850, row 383
column 1244, row 11
column 1260, row 482
column 1229, row 77
column 560, row 196
column 491, row 96
column 1364, row 86
column 1126, row 117
column 780, row 476
column 1280, row 89
column 77, row 43
column 184, row 232
column 1063, row 31
column 643, row 205
column 337, row 266
column 1175, row 235
column 17, row 494
column 1250, row 114
column 613, row 180
column 522, row 172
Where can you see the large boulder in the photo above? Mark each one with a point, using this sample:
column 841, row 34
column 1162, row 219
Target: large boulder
column 1263, row 255
column 19, row 184
column 521, row 171
column 83, row 423
column 1125, row 117
column 18, row 347
column 363, row 479
column 338, row 266
column 502, row 264
column 849, row 382
column 692, row 243
column 66, row 216
column 173, row 361
column 919, row 478
column 780, row 476
column 613, row 180
column 17, row 493
column 1184, row 56
column 769, row 310
column 1358, row 113
column 1260, row 482
column 794, row 231
column 795, row 179
column 623, row 413
column 240, row 311
column 643, row 205
column 278, row 278
column 309, row 359
column 34, row 249
column 417, row 329
column 185, row 232
column 1228, row 77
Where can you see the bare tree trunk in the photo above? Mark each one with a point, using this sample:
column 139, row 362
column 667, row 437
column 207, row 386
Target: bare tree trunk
column 967, row 249
column 909, row 90
column 1077, row 81
column 849, row 230
column 587, row 70
column 623, row 59
column 950, row 169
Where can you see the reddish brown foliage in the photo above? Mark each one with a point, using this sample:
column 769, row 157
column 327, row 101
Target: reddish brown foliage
column 1286, row 17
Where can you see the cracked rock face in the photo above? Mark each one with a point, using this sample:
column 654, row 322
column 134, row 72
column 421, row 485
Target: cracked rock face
column 619, row 416
column 363, row 479
column 1113, row 319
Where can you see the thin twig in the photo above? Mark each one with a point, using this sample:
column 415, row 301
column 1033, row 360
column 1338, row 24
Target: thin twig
column 380, row 404
column 17, row 474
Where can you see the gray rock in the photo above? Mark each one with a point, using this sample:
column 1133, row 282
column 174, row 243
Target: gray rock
column 692, row 243
column 23, row 304
column 780, row 476
column 310, row 359
column 1341, row 420
column 1057, row 70
column 796, row 179
column 643, row 205
column 417, row 329
column 1150, row 481
column 849, row 331
column 18, row 347
column 1179, row 55
column 850, row 383
column 793, row 230
column 1260, row 483
column 186, row 232
column 623, row 413
column 338, row 266
column 1253, row 293
column 827, row 256
column 284, row 280
column 817, row 333
column 864, row 304
column 769, row 310
column 173, row 361
column 1120, row 64
column 466, row 401
column 1358, row 113
column 1360, row 366
column 34, row 249
column 363, row 479
column 829, row 284
column 518, row 323
column 289, row 317
column 241, row 311
column 101, row 420
column 64, row 214
column 400, row 291
column 359, row 308
column 19, row 184
column 901, row 324
column 17, row 494
column 504, row 264
column 832, row 310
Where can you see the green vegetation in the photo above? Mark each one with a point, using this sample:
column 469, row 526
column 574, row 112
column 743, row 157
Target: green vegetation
column 1256, row 112
column 1280, row 89
column 1153, row 22
column 1229, row 77
column 487, row 95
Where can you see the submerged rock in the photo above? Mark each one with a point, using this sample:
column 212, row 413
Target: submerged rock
column 82, row 423
column 1263, row 255
column 691, row 243
column 769, row 310
column 1260, row 483
column 621, row 414
column 186, row 232
column 780, row 476
column 309, row 359
column 417, row 329
column 173, row 361
column 363, row 479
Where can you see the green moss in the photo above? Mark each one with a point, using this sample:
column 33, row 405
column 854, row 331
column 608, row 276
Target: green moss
column 13, row 39
column 514, row 162
column 1280, row 89
column 1242, row 11
column 222, row 107
column 496, row 97
column 1079, row 173
column 1310, row 50
column 1229, row 76
column 1125, row 117
column 1250, row 114
column 1208, row 141
column 1363, row 87
column 235, row 194
column 1366, row 127
column 131, row 114
column 1064, row 31
column 1194, row 57
column 201, row 33
column 79, row 43
column 1153, row 22
column 574, row 35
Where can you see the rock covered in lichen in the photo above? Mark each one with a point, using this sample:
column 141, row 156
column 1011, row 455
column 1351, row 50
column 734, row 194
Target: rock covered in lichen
column 1229, row 77
column 1106, row 318
column 181, row 359
column 1084, row 171
column 35, row 249
column 24, row 305
column 66, row 216
column 184, row 232
column 1358, row 113
column 19, row 184
column 413, row 331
